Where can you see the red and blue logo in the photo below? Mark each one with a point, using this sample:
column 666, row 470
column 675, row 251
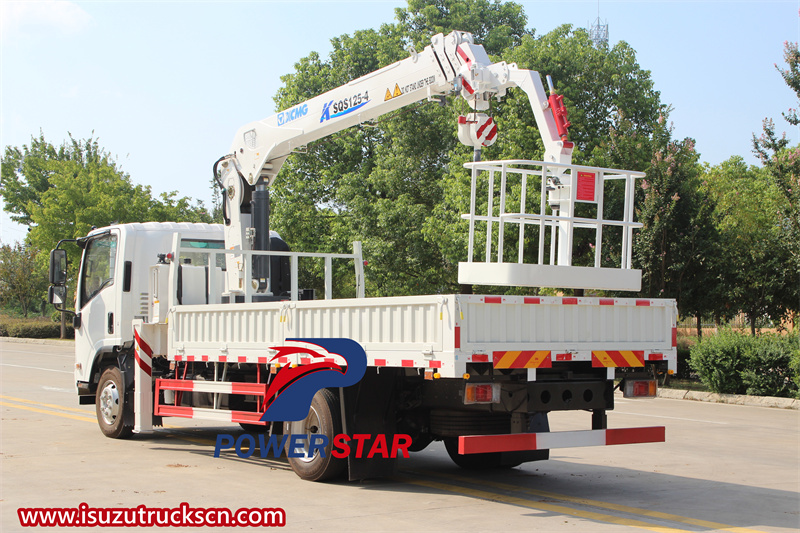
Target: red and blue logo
column 327, row 363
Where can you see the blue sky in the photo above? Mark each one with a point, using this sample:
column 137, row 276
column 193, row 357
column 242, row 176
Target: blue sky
column 165, row 85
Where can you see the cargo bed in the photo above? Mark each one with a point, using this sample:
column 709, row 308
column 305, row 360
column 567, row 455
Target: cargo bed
column 442, row 332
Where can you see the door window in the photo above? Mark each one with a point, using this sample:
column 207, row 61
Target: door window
column 98, row 266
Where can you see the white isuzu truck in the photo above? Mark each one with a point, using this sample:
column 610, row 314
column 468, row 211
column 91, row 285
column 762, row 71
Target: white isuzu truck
column 185, row 320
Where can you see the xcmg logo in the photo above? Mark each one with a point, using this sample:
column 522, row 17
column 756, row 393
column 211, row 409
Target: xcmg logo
column 284, row 117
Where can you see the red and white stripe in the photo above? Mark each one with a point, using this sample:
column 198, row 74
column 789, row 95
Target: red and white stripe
column 561, row 439
column 463, row 55
column 565, row 300
column 421, row 362
column 220, row 415
column 143, row 354
column 486, row 130
column 476, row 129
column 219, row 387
column 143, row 379
column 221, row 359
column 405, row 363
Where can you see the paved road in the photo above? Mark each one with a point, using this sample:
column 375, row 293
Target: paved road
column 723, row 467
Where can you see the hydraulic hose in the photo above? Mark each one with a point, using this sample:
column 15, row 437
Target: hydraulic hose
column 222, row 187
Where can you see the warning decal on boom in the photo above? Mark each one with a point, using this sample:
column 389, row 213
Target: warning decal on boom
column 405, row 89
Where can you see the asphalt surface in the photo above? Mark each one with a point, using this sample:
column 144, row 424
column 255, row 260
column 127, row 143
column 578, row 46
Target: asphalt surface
column 723, row 468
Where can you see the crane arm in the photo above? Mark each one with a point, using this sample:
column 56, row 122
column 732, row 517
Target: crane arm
column 450, row 64
column 261, row 147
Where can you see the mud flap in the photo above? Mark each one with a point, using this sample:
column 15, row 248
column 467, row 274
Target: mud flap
column 368, row 407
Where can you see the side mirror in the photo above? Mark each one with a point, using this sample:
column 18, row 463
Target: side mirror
column 58, row 267
column 57, row 295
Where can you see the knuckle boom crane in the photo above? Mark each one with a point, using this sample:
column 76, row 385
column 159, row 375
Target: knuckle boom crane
column 451, row 64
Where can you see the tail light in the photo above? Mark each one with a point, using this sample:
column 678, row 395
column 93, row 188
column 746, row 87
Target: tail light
column 640, row 388
column 482, row 393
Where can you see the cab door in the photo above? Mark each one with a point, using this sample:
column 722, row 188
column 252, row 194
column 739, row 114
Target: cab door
column 97, row 300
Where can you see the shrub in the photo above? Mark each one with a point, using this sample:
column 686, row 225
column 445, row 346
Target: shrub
column 719, row 361
column 737, row 363
column 32, row 328
column 769, row 372
column 795, row 366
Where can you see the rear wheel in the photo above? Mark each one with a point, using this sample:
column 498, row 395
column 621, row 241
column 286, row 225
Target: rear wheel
column 111, row 406
column 323, row 418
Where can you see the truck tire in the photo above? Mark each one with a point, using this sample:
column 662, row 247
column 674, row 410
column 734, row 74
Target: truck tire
column 111, row 406
column 324, row 418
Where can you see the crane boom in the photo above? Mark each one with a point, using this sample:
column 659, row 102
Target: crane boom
column 450, row 64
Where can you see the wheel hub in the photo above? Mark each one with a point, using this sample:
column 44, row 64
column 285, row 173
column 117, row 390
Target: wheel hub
column 308, row 427
column 109, row 403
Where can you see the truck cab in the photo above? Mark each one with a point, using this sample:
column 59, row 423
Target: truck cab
column 113, row 283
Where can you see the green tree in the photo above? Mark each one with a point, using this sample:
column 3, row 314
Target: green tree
column 26, row 172
column 61, row 193
column 755, row 268
column 676, row 247
column 496, row 25
column 782, row 161
column 598, row 84
column 664, row 247
column 23, row 280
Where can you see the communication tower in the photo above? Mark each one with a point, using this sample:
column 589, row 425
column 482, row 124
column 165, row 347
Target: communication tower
column 598, row 30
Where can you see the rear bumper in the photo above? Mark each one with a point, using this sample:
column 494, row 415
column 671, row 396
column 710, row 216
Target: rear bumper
column 561, row 439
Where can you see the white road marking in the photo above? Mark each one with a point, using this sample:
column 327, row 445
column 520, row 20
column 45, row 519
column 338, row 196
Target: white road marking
column 57, row 389
column 38, row 368
column 673, row 418
column 23, row 352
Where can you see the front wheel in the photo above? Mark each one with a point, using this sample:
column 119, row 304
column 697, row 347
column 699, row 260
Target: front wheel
column 323, row 418
column 111, row 406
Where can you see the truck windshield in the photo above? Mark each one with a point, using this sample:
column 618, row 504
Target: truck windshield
column 98, row 266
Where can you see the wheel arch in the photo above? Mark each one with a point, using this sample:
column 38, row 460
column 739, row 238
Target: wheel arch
column 121, row 357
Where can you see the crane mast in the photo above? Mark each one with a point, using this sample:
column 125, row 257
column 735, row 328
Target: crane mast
column 450, row 65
